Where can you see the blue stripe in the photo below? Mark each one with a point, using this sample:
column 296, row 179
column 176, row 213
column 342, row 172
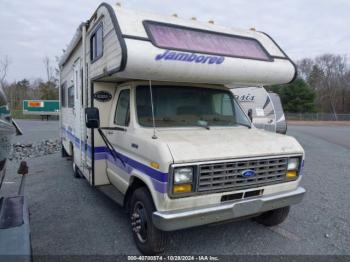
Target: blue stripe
column 102, row 153
column 155, row 174
column 161, row 187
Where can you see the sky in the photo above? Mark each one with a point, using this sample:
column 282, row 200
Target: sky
column 33, row 29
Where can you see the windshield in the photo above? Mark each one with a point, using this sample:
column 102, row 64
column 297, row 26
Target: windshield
column 176, row 106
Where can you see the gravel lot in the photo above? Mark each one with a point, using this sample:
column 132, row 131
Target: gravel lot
column 70, row 218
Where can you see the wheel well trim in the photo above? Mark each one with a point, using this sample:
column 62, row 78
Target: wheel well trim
column 144, row 181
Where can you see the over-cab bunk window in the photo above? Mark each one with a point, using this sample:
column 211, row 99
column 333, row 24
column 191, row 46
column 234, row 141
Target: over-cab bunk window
column 96, row 44
column 169, row 36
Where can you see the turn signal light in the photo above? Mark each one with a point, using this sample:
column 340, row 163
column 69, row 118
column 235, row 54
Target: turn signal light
column 291, row 174
column 184, row 188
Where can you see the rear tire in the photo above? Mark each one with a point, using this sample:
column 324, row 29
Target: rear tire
column 273, row 217
column 149, row 239
column 76, row 173
column 63, row 151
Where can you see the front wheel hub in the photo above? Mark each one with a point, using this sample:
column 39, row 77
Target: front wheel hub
column 139, row 221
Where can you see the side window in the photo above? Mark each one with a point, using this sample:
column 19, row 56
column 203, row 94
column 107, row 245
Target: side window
column 96, row 44
column 122, row 112
column 222, row 104
column 63, row 94
column 226, row 105
column 71, row 96
column 240, row 116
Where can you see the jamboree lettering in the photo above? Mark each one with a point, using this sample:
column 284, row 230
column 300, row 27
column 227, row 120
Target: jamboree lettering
column 190, row 57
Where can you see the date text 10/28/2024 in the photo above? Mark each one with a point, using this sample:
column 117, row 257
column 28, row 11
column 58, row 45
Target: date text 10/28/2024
column 173, row 258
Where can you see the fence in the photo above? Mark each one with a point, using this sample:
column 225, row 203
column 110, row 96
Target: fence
column 317, row 117
column 18, row 114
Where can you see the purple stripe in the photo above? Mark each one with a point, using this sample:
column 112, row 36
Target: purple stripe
column 161, row 187
column 102, row 153
column 160, row 176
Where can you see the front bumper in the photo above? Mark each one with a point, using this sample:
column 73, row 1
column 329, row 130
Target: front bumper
column 180, row 219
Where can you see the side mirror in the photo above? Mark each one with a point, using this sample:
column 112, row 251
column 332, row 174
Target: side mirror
column 250, row 114
column 92, row 117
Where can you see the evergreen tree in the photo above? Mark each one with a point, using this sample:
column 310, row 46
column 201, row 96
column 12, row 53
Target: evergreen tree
column 296, row 97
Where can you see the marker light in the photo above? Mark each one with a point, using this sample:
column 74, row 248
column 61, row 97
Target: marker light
column 293, row 164
column 183, row 175
column 155, row 165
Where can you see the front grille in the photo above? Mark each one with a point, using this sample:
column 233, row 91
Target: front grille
column 228, row 175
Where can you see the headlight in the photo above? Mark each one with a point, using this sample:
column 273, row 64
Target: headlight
column 293, row 164
column 183, row 175
column 293, row 168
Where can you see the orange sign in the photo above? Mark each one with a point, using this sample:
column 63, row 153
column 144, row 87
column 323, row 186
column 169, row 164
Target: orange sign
column 35, row 104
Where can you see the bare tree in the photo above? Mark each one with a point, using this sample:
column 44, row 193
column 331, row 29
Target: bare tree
column 48, row 89
column 52, row 71
column 48, row 68
column 305, row 67
column 4, row 66
column 334, row 68
column 329, row 76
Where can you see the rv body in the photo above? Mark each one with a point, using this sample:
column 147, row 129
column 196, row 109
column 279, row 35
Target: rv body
column 149, row 121
column 266, row 108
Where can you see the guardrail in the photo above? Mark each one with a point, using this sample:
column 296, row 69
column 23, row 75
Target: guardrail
column 317, row 117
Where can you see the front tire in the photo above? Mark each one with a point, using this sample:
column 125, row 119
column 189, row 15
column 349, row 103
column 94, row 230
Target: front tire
column 149, row 239
column 273, row 217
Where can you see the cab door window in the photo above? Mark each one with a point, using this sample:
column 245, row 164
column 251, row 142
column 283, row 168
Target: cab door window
column 122, row 112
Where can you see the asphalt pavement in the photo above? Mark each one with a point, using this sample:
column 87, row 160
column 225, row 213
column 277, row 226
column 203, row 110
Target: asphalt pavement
column 37, row 130
column 68, row 217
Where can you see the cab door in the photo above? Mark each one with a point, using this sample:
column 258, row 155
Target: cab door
column 118, row 135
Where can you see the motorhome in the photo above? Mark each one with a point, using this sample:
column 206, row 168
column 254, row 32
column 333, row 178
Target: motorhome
column 147, row 119
column 264, row 108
